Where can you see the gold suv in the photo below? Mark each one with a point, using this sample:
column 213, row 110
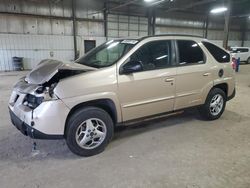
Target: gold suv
column 121, row 81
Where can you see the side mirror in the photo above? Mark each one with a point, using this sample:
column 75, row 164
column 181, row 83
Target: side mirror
column 131, row 67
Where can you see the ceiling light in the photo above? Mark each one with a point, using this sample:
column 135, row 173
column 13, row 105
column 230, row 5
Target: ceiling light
column 157, row 2
column 218, row 10
column 154, row 2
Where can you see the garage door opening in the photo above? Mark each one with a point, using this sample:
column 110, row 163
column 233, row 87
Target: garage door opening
column 89, row 45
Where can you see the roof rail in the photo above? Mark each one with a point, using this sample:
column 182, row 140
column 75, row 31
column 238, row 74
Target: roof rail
column 162, row 35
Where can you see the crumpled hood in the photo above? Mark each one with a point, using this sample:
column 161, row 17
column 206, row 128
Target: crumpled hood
column 46, row 69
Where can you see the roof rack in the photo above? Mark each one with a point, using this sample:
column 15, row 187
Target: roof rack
column 162, row 35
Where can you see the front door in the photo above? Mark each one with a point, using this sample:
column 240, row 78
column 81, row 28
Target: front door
column 151, row 91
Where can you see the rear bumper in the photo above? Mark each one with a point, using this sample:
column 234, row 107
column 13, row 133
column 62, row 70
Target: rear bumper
column 29, row 130
column 231, row 96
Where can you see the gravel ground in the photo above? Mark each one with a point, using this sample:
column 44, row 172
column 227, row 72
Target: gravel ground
column 178, row 152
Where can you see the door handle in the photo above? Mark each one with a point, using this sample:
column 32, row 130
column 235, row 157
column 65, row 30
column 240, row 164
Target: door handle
column 206, row 74
column 169, row 79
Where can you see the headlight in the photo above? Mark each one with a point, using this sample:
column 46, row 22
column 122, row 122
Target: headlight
column 32, row 101
column 49, row 94
column 40, row 95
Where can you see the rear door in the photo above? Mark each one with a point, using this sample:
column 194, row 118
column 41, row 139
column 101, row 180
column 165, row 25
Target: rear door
column 244, row 54
column 193, row 74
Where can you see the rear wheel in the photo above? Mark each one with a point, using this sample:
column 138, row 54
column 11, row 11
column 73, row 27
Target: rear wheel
column 214, row 106
column 89, row 131
column 248, row 61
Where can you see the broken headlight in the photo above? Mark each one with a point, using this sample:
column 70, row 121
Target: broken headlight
column 32, row 101
column 47, row 92
column 41, row 94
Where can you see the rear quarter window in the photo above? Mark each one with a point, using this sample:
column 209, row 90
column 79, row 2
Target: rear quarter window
column 220, row 55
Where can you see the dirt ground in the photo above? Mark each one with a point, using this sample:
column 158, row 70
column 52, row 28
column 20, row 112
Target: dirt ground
column 178, row 152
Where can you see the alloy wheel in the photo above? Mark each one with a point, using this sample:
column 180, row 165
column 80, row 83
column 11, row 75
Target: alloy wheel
column 91, row 133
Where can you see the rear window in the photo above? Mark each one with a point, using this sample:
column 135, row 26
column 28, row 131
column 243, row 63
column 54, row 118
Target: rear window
column 220, row 55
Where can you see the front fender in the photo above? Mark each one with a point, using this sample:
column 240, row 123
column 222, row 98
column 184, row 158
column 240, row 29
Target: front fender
column 73, row 101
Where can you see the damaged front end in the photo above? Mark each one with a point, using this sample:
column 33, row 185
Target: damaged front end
column 34, row 107
column 34, row 94
column 40, row 83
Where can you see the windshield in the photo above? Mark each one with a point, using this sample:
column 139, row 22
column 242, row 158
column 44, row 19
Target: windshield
column 107, row 54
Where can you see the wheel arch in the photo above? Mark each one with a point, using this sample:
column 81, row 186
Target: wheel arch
column 223, row 87
column 248, row 60
column 106, row 104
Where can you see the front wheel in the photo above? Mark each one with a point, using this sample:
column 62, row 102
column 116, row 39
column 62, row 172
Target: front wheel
column 89, row 131
column 214, row 106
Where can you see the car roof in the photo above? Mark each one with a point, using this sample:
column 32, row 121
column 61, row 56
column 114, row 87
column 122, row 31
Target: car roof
column 161, row 35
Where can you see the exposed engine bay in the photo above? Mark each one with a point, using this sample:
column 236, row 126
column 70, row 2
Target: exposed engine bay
column 40, row 83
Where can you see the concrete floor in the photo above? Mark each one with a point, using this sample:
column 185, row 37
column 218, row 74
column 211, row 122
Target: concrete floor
column 178, row 152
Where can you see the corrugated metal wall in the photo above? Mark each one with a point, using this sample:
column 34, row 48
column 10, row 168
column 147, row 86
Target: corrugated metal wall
column 37, row 37
column 33, row 48
column 127, row 26
column 196, row 27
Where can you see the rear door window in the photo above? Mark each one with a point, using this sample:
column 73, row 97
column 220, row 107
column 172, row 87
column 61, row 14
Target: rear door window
column 239, row 50
column 220, row 55
column 190, row 53
column 243, row 50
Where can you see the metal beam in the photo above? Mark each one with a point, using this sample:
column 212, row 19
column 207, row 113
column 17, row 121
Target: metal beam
column 206, row 26
column 49, row 17
column 105, row 15
column 226, row 25
column 74, row 29
column 243, row 31
column 115, row 7
column 151, row 21
column 123, row 5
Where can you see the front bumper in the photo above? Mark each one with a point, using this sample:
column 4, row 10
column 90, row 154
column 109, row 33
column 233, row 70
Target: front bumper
column 47, row 121
column 29, row 130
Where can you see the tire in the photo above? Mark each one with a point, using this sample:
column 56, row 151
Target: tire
column 211, row 110
column 248, row 61
column 88, row 131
